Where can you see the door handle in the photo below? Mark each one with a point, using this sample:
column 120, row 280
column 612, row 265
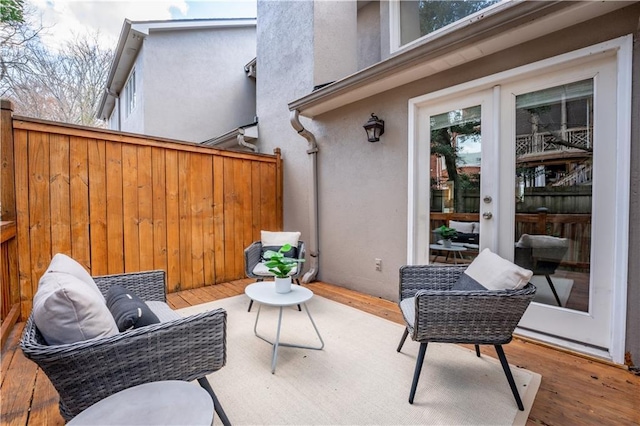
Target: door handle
column 487, row 215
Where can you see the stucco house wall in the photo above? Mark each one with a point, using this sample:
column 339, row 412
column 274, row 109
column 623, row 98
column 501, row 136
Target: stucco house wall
column 363, row 186
column 194, row 82
column 284, row 73
column 191, row 83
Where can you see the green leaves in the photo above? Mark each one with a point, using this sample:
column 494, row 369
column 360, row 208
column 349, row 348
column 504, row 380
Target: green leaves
column 11, row 11
column 278, row 264
column 447, row 233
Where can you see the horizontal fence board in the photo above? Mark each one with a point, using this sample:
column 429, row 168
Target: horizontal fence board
column 123, row 203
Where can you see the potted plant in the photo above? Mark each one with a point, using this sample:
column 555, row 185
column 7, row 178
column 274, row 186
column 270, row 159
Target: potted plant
column 447, row 234
column 281, row 266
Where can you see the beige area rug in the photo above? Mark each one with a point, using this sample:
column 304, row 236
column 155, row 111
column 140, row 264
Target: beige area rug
column 563, row 287
column 358, row 378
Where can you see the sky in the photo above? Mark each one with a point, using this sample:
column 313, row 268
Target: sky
column 65, row 19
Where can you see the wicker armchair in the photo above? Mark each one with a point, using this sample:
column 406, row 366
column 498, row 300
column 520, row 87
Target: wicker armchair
column 253, row 256
column 542, row 260
column 86, row 372
column 435, row 313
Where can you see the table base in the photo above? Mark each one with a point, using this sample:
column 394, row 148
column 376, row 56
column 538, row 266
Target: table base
column 277, row 342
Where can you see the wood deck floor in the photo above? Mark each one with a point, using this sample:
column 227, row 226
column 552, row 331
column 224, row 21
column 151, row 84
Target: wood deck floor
column 574, row 390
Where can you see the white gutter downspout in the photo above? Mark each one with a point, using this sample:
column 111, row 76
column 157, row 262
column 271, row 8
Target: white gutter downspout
column 242, row 142
column 314, row 251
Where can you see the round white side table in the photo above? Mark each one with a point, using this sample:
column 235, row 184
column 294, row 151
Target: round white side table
column 170, row 402
column 265, row 294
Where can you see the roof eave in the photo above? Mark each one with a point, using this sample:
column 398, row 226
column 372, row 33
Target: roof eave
column 462, row 43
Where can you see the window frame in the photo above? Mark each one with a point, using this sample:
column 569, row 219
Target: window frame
column 395, row 27
column 130, row 93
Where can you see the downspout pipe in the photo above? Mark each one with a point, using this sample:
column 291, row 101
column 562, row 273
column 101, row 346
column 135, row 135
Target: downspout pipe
column 242, row 142
column 314, row 249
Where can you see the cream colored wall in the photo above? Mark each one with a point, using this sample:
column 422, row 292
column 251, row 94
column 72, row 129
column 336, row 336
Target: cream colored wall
column 368, row 39
column 334, row 40
column 362, row 185
column 195, row 84
column 285, row 72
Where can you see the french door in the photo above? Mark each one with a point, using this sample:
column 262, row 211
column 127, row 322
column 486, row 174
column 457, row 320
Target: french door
column 531, row 164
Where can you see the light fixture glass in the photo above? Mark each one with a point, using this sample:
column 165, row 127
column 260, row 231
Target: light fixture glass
column 374, row 128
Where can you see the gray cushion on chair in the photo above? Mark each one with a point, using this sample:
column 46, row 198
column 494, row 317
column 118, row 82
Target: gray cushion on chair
column 262, row 270
column 68, row 310
column 408, row 308
column 163, row 311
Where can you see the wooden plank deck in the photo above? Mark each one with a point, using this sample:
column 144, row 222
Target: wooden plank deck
column 574, row 390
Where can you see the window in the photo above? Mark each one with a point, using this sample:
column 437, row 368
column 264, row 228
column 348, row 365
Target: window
column 130, row 93
column 418, row 18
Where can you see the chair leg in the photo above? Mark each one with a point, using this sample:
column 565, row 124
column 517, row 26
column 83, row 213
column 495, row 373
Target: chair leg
column 404, row 337
column 507, row 372
column 251, row 302
column 553, row 290
column 216, row 404
column 478, row 351
column 298, row 282
column 416, row 373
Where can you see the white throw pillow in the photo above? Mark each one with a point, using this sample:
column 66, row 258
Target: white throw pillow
column 270, row 239
column 464, row 227
column 541, row 241
column 492, row 272
column 67, row 310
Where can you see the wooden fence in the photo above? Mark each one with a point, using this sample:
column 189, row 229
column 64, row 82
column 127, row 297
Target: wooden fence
column 123, row 203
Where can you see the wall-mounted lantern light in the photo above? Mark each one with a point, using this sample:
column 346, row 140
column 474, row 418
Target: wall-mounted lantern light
column 374, row 128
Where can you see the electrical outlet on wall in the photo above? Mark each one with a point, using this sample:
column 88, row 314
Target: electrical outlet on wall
column 378, row 264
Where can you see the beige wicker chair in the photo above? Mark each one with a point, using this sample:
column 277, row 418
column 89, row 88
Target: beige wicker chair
column 435, row 313
column 86, row 372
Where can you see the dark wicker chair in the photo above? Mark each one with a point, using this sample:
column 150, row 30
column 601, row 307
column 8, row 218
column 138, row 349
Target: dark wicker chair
column 86, row 372
column 542, row 261
column 435, row 313
column 253, row 256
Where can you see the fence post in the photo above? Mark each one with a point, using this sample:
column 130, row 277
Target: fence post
column 542, row 220
column 7, row 187
column 9, row 283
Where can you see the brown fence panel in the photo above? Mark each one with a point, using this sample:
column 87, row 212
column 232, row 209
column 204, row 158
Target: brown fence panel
column 122, row 203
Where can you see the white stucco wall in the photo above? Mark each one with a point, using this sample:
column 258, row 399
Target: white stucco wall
column 285, row 72
column 368, row 35
column 195, row 84
column 362, row 185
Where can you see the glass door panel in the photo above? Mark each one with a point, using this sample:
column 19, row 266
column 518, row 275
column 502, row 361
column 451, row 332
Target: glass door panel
column 553, row 186
column 455, row 165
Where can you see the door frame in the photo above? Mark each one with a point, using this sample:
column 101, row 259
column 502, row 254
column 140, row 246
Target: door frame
column 621, row 48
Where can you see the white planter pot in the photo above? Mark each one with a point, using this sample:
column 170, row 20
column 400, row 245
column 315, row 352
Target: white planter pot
column 446, row 243
column 283, row 285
